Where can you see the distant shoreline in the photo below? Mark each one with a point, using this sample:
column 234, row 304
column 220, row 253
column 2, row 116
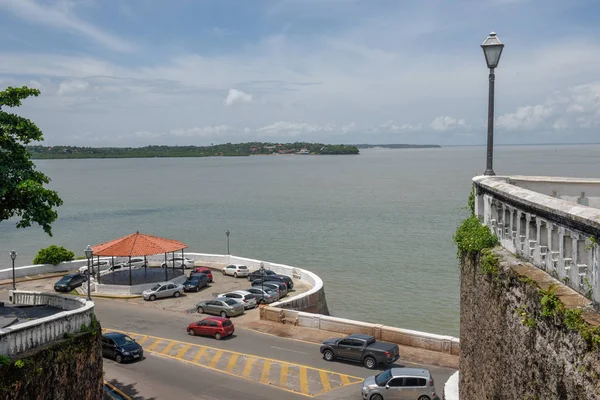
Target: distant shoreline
column 398, row 146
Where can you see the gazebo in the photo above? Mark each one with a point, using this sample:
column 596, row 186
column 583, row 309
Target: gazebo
column 138, row 244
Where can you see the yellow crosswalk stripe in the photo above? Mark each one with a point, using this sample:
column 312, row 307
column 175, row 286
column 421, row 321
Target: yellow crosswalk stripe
column 248, row 367
column 345, row 379
column 142, row 340
column 264, row 377
column 199, row 354
column 216, row 358
column 169, row 347
column 303, row 380
column 154, row 344
column 283, row 375
column 181, row 352
column 232, row 361
column 325, row 381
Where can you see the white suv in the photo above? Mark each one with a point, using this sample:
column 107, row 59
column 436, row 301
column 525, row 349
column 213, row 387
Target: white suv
column 179, row 261
column 236, row 270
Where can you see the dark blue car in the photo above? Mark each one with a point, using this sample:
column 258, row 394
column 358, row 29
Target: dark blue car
column 195, row 282
column 69, row 282
column 120, row 347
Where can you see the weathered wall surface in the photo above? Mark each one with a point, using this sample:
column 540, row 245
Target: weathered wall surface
column 509, row 350
column 64, row 370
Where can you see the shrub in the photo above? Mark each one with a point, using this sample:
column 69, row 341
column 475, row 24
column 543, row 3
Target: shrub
column 472, row 237
column 53, row 255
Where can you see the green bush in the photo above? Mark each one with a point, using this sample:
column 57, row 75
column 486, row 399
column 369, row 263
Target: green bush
column 53, row 255
column 472, row 237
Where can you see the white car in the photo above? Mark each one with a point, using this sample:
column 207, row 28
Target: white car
column 103, row 265
column 179, row 261
column 244, row 297
column 236, row 270
column 136, row 262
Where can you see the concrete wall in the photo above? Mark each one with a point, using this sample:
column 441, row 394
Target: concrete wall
column 24, row 336
column 509, row 350
column 129, row 290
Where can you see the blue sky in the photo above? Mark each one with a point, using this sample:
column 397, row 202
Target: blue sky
column 140, row 72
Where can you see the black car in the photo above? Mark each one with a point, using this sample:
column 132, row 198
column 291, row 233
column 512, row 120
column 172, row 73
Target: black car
column 280, row 287
column 120, row 347
column 257, row 274
column 69, row 282
column 195, row 282
column 279, row 278
column 360, row 348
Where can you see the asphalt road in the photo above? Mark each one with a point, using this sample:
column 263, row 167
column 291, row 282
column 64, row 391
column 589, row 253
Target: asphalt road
column 163, row 376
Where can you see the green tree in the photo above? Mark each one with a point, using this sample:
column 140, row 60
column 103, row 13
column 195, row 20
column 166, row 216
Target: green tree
column 22, row 191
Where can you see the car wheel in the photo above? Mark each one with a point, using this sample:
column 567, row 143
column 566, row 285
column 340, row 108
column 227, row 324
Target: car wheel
column 223, row 272
column 164, row 266
column 424, row 398
column 218, row 336
column 200, row 310
column 223, row 314
column 377, row 396
column 191, row 332
column 370, row 362
column 235, row 274
column 152, row 297
column 328, row 355
column 119, row 359
column 176, row 294
column 197, row 289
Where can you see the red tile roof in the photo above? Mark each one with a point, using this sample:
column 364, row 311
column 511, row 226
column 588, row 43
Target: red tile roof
column 137, row 244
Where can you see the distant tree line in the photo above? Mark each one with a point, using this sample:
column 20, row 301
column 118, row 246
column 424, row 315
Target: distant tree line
column 398, row 146
column 224, row 150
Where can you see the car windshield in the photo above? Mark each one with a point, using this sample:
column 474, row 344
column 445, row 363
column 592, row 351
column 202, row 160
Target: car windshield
column 192, row 281
column 230, row 302
column 123, row 340
column 383, row 377
column 227, row 323
column 155, row 287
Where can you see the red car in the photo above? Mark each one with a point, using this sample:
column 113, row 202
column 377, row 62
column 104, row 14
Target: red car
column 205, row 271
column 212, row 326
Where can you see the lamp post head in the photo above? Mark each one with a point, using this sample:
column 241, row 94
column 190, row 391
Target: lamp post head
column 492, row 49
column 262, row 266
column 227, row 232
column 13, row 255
column 89, row 252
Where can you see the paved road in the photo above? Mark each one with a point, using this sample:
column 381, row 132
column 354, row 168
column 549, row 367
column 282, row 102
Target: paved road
column 248, row 365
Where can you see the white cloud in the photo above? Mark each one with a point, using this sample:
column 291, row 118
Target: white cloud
column 442, row 124
column 71, row 87
column 237, row 97
column 291, row 129
column 62, row 18
column 528, row 117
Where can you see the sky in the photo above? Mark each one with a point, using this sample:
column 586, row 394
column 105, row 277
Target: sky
column 196, row 72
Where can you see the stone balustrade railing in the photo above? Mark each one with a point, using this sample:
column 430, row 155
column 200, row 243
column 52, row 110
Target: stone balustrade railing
column 21, row 337
column 550, row 222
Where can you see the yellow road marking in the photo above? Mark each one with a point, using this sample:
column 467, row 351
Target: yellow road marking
column 232, row 361
column 248, row 367
column 169, row 347
column 154, row 344
column 117, row 390
column 303, row 380
column 216, row 358
column 142, row 340
column 264, row 377
column 325, row 381
column 181, row 352
column 198, row 355
column 345, row 379
column 284, row 374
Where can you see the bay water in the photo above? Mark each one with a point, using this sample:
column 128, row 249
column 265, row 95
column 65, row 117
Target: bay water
column 376, row 227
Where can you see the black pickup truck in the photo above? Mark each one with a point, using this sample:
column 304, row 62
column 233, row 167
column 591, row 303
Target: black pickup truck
column 360, row 348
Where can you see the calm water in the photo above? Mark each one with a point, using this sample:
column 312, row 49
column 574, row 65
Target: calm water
column 376, row 227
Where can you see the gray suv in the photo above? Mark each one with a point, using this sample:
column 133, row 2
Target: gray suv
column 400, row 383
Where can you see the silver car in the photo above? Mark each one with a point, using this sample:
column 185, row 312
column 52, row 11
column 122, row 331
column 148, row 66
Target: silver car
column 400, row 384
column 244, row 297
column 223, row 307
column 161, row 290
column 265, row 295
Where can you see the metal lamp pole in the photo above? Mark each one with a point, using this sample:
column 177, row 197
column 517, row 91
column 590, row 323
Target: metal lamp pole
column 492, row 49
column 88, row 254
column 262, row 281
column 227, row 233
column 13, row 256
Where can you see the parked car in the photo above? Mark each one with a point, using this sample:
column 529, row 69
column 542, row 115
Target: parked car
column 222, row 307
column 135, row 262
column 69, row 282
column 242, row 296
column 161, row 290
column 278, row 278
column 400, row 383
column 113, row 268
column 236, row 270
column 205, row 271
column 120, row 347
column 279, row 287
column 218, row 327
column 195, row 283
column 264, row 295
column 257, row 274
column 179, row 262
column 102, row 265
column 360, row 348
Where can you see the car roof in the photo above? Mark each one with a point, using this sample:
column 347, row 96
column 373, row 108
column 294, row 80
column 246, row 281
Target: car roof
column 218, row 319
column 240, row 291
column 360, row 336
column 203, row 268
column 411, row 372
column 113, row 334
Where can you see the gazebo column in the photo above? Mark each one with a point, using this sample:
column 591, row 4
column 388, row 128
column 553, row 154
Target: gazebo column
column 129, row 270
column 166, row 268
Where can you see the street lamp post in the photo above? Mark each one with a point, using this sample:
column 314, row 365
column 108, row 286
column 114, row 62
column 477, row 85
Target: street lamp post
column 492, row 49
column 227, row 233
column 88, row 254
column 262, row 281
column 13, row 256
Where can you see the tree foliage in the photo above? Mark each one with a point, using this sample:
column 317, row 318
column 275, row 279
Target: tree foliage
column 53, row 255
column 22, row 191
